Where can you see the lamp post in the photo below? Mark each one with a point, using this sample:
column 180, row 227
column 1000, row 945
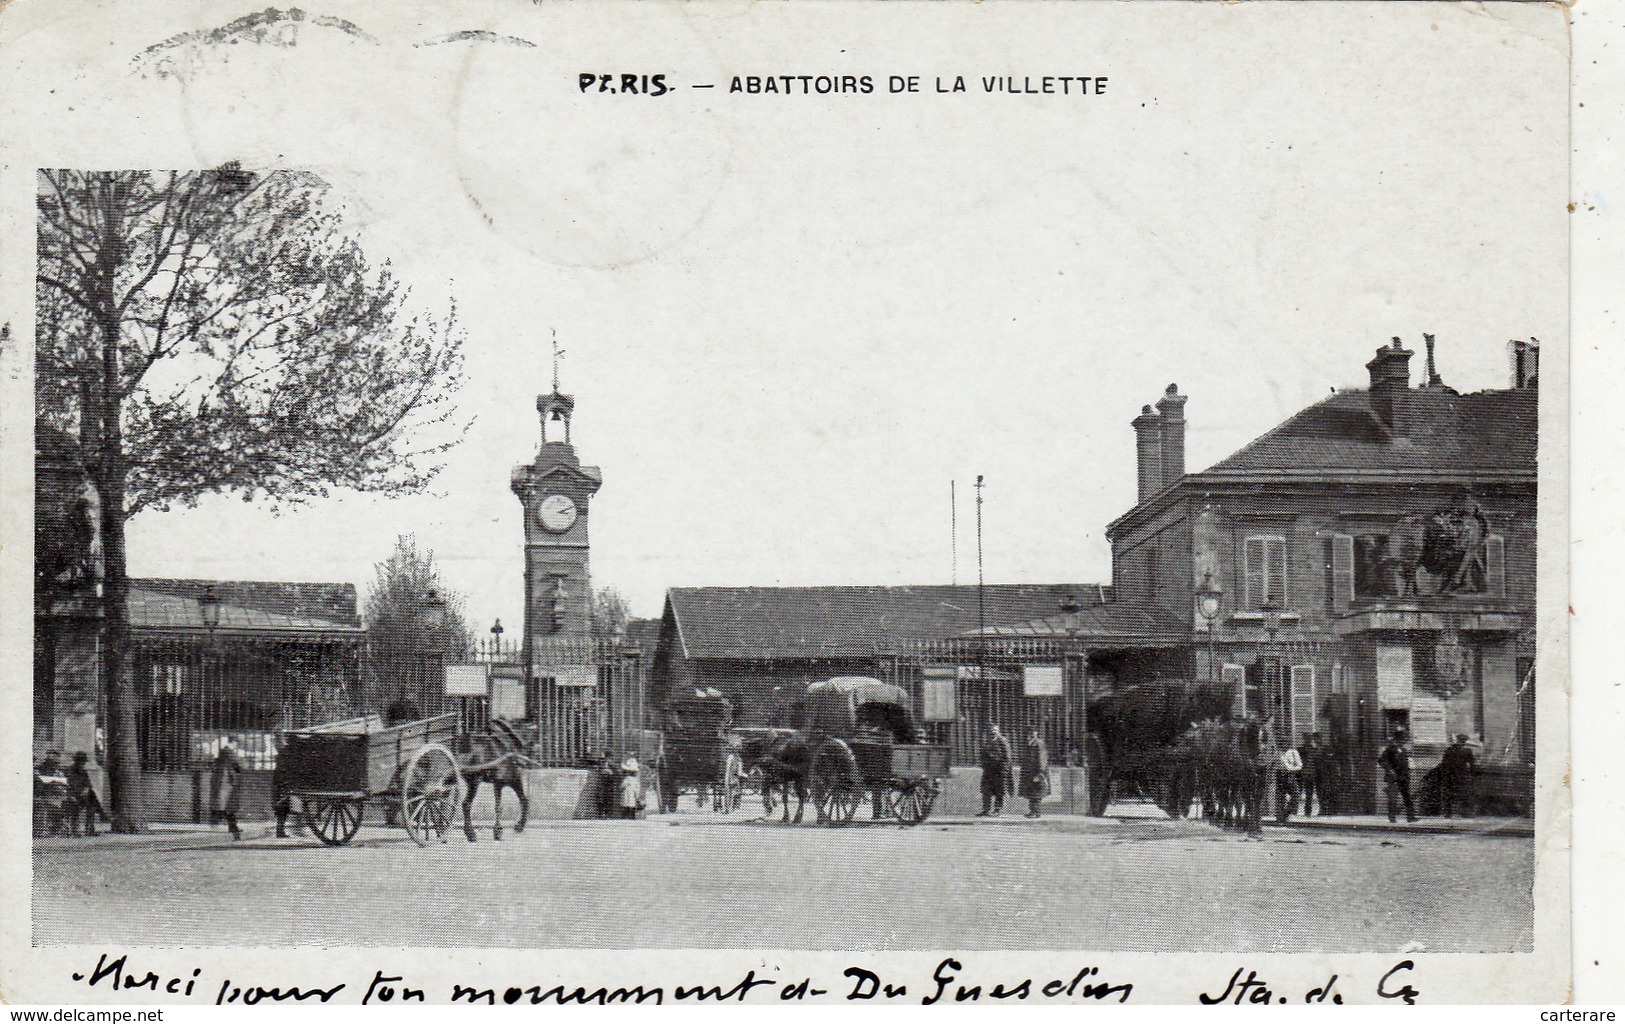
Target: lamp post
column 1209, row 600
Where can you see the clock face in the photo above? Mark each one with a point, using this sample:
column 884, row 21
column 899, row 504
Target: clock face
column 557, row 513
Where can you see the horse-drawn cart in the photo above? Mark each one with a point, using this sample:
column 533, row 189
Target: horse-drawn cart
column 864, row 741
column 335, row 769
column 698, row 753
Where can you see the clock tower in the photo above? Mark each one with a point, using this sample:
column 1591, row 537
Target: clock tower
column 555, row 491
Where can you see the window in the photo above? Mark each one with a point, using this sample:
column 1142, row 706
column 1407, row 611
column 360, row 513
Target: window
column 1264, row 559
column 1303, row 703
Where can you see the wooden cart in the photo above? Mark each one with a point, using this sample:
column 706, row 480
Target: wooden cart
column 865, row 742
column 408, row 769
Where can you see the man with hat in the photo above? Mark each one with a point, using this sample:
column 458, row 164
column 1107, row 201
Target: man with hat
column 1455, row 776
column 82, row 798
column 1396, row 773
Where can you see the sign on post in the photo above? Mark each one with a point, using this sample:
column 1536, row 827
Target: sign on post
column 938, row 697
column 467, row 680
column 1042, row 681
column 570, row 675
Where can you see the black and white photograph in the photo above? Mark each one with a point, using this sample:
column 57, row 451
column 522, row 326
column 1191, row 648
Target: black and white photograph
column 884, row 503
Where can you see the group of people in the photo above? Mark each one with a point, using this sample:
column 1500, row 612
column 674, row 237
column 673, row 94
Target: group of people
column 65, row 800
column 1304, row 773
column 1455, row 777
column 1031, row 771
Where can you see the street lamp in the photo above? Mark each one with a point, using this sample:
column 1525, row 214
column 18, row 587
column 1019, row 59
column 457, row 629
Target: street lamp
column 208, row 606
column 1209, row 600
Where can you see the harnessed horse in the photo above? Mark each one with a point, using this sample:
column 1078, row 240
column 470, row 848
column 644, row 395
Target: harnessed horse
column 497, row 759
column 785, row 763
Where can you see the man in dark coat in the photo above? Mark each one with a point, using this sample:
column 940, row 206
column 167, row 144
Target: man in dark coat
column 1034, row 771
column 82, row 798
column 225, row 797
column 1455, row 777
column 995, row 757
column 1396, row 772
column 1315, row 774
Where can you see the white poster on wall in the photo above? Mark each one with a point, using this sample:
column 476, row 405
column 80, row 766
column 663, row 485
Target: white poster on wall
column 1394, row 677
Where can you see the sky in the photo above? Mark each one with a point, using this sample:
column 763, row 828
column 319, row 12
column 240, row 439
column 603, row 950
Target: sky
column 791, row 321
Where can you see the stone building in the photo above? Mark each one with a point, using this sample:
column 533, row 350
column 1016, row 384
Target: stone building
column 1368, row 564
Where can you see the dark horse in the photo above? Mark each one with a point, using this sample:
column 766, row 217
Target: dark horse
column 785, row 763
column 496, row 758
column 1227, row 761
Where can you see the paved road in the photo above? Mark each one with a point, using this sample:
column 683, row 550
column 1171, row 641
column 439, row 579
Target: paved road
column 697, row 882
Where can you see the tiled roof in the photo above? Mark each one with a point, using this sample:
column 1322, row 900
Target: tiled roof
column 1485, row 432
column 824, row 622
column 1127, row 624
column 246, row 605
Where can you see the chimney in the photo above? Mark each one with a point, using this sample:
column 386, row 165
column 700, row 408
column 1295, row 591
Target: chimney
column 1390, row 379
column 1171, row 406
column 1148, row 451
column 1525, row 363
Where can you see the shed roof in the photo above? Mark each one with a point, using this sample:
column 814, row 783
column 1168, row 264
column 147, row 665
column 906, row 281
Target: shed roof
column 1124, row 625
column 246, row 606
column 831, row 622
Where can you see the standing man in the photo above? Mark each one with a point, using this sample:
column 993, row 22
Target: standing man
column 82, row 798
column 225, row 795
column 1288, row 784
column 995, row 758
column 1396, row 773
column 1455, row 777
column 1314, row 775
column 1034, row 771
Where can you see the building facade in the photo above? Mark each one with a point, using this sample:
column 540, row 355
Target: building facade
column 1367, row 565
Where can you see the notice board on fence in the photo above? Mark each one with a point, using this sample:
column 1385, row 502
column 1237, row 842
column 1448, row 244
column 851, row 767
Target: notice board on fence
column 938, row 699
column 467, row 680
column 1043, row 680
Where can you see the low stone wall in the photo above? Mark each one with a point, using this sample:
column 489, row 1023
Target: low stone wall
column 555, row 793
column 182, row 796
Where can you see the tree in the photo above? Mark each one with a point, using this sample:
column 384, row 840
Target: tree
column 610, row 613
column 414, row 626
column 222, row 331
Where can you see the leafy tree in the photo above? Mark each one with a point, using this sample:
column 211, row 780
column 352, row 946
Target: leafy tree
column 414, row 626
column 222, row 331
column 610, row 613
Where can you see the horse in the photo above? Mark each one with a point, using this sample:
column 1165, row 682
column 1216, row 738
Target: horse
column 785, row 763
column 1228, row 759
column 495, row 758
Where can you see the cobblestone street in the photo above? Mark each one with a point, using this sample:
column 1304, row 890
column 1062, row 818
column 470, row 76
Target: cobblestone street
column 696, row 881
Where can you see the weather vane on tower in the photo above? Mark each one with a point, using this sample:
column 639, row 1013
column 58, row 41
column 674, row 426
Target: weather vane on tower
column 558, row 353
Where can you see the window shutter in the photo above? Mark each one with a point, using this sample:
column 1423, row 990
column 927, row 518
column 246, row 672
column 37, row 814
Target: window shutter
column 1342, row 571
column 1275, row 547
column 1234, row 677
column 1495, row 566
column 1254, row 584
column 1303, row 702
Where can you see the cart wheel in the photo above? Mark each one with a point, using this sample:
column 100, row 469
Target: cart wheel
column 733, row 784
column 335, row 820
column 837, row 790
column 429, row 791
column 911, row 802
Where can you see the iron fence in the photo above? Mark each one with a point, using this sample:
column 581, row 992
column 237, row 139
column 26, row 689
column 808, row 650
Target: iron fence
column 584, row 699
